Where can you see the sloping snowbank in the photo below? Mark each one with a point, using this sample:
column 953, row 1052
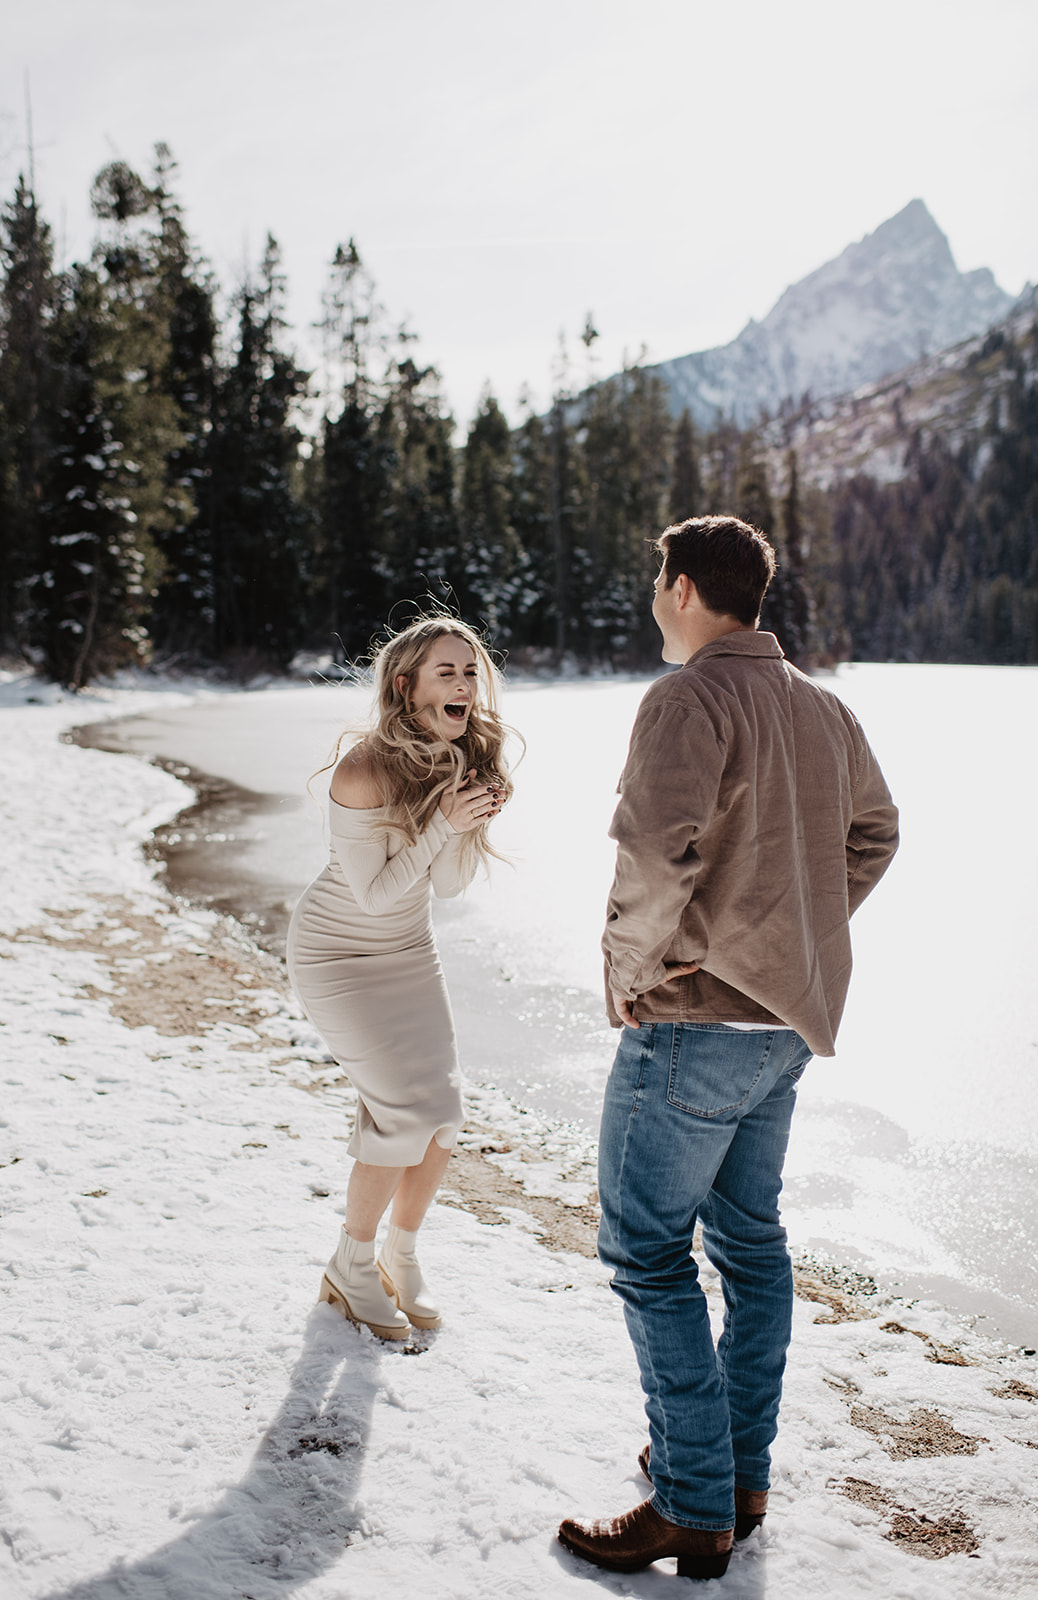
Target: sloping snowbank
column 182, row 1421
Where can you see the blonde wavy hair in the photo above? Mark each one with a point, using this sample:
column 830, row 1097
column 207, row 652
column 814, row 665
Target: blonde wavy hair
column 412, row 767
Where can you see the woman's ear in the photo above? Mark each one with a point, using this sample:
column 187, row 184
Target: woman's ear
column 401, row 684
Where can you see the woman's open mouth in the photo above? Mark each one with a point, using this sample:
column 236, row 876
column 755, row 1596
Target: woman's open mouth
column 457, row 711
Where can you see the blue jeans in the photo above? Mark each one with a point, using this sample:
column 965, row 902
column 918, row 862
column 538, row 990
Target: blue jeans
column 695, row 1125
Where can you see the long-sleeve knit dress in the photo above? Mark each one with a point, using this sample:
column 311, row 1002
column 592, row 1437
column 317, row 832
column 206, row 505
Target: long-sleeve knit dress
column 362, row 958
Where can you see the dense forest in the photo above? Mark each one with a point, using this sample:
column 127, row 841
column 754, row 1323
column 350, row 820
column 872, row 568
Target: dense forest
column 175, row 489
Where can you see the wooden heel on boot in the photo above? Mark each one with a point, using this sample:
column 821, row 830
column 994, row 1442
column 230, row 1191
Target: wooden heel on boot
column 338, row 1302
column 712, row 1566
column 332, row 1297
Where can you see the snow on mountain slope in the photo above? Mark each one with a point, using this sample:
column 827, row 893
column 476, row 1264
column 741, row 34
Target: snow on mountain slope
column 951, row 395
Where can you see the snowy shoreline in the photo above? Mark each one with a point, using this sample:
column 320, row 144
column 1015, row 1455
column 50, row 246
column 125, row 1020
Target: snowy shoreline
column 183, row 1421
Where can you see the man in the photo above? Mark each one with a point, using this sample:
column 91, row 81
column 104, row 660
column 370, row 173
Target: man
column 753, row 820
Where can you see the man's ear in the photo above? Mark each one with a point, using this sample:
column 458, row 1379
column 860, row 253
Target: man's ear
column 684, row 591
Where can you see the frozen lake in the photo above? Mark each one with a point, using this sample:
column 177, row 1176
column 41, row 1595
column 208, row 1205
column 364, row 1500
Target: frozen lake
column 914, row 1151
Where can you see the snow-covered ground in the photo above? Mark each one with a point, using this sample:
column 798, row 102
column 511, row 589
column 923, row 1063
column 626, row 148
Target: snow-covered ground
column 181, row 1420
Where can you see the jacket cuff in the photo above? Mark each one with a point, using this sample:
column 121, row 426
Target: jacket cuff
column 626, row 976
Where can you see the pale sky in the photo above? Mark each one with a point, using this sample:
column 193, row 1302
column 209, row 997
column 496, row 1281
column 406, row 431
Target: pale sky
column 669, row 165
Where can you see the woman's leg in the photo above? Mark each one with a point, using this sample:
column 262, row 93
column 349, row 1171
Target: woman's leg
column 352, row 1282
column 411, row 1189
column 401, row 1274
column 368, row 1193
column 415, row 1191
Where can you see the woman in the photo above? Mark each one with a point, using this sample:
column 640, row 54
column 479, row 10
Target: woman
column 409, row 809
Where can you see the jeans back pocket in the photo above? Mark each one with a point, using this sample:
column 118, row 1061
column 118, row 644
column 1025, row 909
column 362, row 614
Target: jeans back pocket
column 715, row 1069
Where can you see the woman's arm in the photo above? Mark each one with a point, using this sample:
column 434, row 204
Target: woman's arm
column 450, row 871
column 379, row 880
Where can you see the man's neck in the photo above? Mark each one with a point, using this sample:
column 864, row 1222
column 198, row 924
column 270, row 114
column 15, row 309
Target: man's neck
column 706, row 626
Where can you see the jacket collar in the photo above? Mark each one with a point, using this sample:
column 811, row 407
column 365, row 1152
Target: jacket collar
column 743, row 642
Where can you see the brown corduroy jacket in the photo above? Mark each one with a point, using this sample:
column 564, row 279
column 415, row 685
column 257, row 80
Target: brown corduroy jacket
column 753, row 821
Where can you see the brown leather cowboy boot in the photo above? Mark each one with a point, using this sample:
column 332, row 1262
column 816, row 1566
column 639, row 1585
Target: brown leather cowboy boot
column 751, row 1505
column 642, row 1536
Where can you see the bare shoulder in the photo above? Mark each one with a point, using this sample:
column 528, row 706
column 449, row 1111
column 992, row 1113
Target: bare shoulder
column 353, row 781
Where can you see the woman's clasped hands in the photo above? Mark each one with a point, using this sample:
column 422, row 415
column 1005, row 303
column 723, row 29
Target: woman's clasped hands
column 471, row 804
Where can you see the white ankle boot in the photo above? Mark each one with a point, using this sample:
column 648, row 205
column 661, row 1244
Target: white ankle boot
column 402, row 1278
column 351, row 1284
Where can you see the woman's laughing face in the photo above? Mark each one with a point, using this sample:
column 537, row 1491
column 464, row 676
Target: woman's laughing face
column 444, row 688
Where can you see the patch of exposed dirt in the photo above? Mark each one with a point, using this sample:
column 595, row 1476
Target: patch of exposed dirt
column 926, row 1433
column 843, row 1386
column 944, row 1354
column 1015, row 1390
column 178, row 989
column 932, row 1538
column 846, row 1295
column 477, row 1185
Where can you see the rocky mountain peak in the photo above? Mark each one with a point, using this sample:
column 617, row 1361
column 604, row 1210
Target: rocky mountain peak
column 885, row 301
column 907, row 229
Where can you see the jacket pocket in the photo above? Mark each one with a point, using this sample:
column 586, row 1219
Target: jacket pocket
column 713, row 1069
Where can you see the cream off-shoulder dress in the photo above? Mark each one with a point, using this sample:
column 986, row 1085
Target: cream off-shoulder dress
column 362, row 958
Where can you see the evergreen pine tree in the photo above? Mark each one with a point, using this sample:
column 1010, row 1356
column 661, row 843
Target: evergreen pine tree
column 259, row 526
column 531, row 516
column 568, row 559
column 686, row 487
column 353, row 467
column 27, row 305
column 627, row 443
column 785, row 609
column 495, row 571
column 796, row 619
column 751, row 499
column 1004, row 548
column 95, row 576
column 420, row 553
column 125, row 303
column 723, row 460
column 105, row 499
column 182, row 295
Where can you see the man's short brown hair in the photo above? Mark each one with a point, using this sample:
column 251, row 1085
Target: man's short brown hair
column 730, row 563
